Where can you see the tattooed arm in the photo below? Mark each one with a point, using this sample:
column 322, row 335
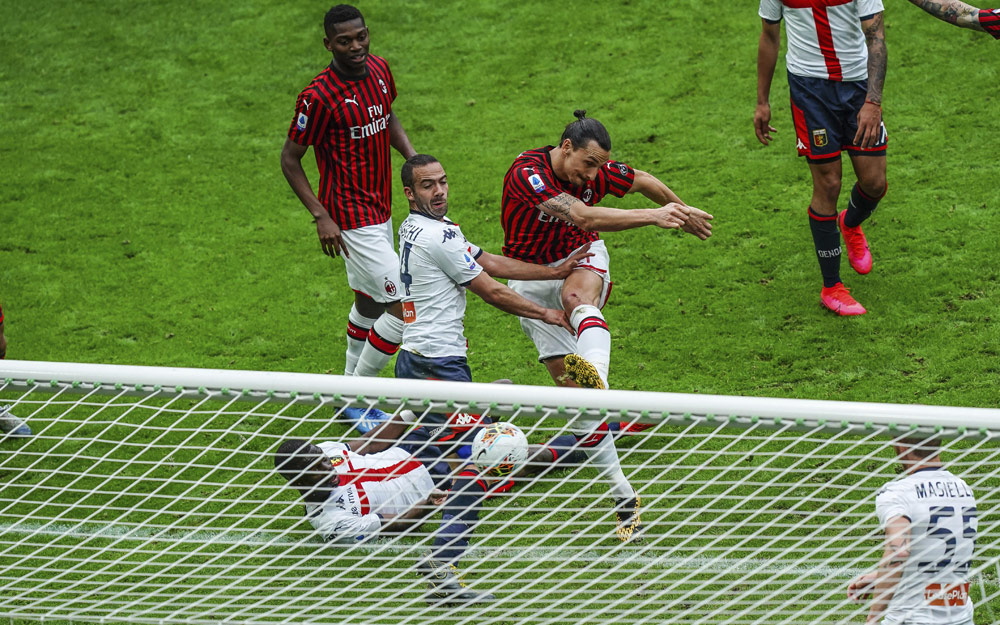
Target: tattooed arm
column 952, row 11
column 600, row 219
column 870, row 115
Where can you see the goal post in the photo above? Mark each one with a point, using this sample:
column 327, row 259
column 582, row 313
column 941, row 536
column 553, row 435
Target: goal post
column 148, row 495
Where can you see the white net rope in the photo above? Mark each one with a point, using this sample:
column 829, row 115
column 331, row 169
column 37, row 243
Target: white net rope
column 149, row 495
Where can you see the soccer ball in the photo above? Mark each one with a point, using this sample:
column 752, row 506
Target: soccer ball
column 499, row 449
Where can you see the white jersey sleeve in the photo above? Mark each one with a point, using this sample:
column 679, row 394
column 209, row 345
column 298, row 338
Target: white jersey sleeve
column 455, row 257
column 335, row 524
column 889, row 504
column 770, row 10
column 868, row 8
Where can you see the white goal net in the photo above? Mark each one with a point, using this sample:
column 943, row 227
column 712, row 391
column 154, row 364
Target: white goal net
column 149, row 495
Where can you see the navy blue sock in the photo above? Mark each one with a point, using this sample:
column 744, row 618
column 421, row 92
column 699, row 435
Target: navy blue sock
column 861, row 206
column 826, row 238
column 563, row 452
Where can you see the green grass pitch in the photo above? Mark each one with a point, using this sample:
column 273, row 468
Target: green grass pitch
column 144, row 218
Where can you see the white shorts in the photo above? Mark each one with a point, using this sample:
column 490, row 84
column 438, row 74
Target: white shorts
column 373, row 266
column 553, row 341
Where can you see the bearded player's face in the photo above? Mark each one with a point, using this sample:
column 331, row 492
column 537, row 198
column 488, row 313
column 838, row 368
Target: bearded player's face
column 349, row 43
column 581, row 164
column 429, row 192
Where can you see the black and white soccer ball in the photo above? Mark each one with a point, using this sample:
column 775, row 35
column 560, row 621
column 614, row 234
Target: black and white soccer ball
column 499, row 449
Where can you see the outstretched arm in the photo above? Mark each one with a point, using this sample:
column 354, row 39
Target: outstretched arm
column 767, row 59
column 870, row 115
column 503, row 297
column 654, row 189
column 513, row 269
column 602, row 219
column 953, row 12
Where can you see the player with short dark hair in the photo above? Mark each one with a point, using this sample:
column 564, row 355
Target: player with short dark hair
column 9, row 424
column 836, row 62
column 550, row 210
column 346, row 115
column 929, row 520
column 963, row 15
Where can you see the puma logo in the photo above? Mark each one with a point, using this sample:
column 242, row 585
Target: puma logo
column 351, row 100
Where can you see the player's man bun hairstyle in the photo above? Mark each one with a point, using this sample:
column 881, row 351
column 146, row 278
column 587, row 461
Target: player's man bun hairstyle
column 338, row 15
column 417, row 160
column 295, row 456
column 584, row 130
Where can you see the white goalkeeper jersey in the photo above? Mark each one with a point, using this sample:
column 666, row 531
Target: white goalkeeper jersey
column 388, row 482
column 435, row 264
column 934, row 589
column 825, row 39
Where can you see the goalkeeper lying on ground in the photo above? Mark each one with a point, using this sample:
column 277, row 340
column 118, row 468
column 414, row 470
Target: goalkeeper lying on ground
column 379, row 484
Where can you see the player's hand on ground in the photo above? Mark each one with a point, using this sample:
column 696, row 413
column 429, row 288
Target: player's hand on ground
column 555, row 317
column 673, row 215
column 861, row 587
column 566, row 268
column 437, row 497
column 762, row 123
column 869, row 125
column 698, row 223
column 330, row 238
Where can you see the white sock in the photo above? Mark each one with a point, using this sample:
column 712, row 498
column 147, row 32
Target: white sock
column 357, row 333
column 593, row 339
column 604, row 457
column 383, row 341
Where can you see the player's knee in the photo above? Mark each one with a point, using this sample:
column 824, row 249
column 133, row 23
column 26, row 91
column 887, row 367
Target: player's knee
column 395, row 309
column 874, row 185
column 369, row 307
column 829, row 187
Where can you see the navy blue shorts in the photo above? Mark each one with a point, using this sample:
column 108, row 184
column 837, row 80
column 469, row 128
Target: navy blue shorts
column 826, row 117
column 414, row 367
column 437, row 427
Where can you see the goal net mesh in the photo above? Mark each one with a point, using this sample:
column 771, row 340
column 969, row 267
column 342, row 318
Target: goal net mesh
column 149, row 496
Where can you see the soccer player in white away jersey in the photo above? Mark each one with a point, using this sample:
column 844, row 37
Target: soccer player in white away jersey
column 929, row 519
column 836, row 62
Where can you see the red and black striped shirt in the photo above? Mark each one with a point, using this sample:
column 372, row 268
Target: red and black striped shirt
column 989, row 19
column 345, row 119
column 534, row 236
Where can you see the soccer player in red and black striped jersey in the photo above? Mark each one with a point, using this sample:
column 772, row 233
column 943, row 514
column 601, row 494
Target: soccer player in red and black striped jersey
column 550, row 209
column 9, row 424
column 346, row 115
column 963, row 15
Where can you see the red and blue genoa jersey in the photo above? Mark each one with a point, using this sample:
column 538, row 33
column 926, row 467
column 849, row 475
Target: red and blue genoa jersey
column 533, row 235
column 989, row 19
column 345, row 119
column 1, row 314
